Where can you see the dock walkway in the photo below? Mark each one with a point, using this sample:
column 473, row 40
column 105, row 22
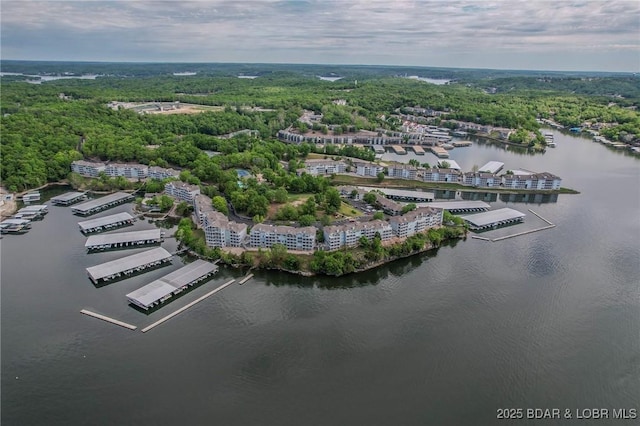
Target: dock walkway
column 107, row 319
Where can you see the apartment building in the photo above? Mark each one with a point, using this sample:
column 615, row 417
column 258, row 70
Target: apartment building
column 481, row 179
column 87, row 168
column 368, row 169
column 390, row 207
column 220, row 232
column 160, row 173
column 265, row 236
column 402, row 171
column 442, row 175
column 349, row 235
column 324, row 167
column 182, row 191
column 416, row 221
column 128, row 170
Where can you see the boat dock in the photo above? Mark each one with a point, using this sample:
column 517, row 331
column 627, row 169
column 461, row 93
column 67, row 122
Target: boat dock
column 451, row 164
column 378, row 149
column 126, row 266
column 94, row 206
column 106, row 223
column 184, row 308
column 68, row 198
column 493, row 218
column 107, row 319
column 439, row 152
column 398, row 149
column 492, row 167
column 15, row 226
column 459, row 206
column 245, row 279
column 549, row 226
column 418, row 149
column 158, row 291
column 402, row 194
column 31, row 197
column 124, row 239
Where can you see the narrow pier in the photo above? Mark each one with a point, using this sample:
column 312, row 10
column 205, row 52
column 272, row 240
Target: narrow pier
column 540, row 217
column 107, row 319
column 523, row 233
column 184, row 308
column 245, row 279
column 480, row 238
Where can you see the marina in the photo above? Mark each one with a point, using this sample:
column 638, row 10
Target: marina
column 106, row 223
column 68, row 198
column 439, row 152
column 493, row 218
column 402, row 194
column 94, row 206
column 398, row 149
column 32, row 212
column 31, row 197
column 15, row 226
column 159, row 291
column 184, row 308
column 124, row 239
column 418, row 149
column 459, row 206
column 126, row 266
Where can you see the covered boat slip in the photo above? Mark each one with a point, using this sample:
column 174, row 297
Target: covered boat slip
column 67, row 198
column 103, row 203
column 458, row 206
column 14, row 226
column 493, row 218
column 123, row 239
column 158, row 291
column 106, row 222
column 126, row 266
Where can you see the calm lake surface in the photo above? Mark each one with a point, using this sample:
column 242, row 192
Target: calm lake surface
column 546, row 320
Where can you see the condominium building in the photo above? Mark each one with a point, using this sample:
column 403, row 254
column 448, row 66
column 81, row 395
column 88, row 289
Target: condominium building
column 202, row 205
column 87, row 168
column 402, row 171
column 530, row 180
column 324, row 167
column 368, row 169
column 182, row 191
column 481, row 179
column 160, row 173
column 128, row 170
column 349, row 235
column 442, row 175
column 220, row 232
column 390, row 207
column 265, row 236
column 416, row 221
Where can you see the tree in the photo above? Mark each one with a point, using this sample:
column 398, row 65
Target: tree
column 333, row 200
column 409, row 207
column 445, row 164
column 426, row 165
column 184, row 209
column 278, row 254
column 378, row 216
column 380, row 177
column 280, row 195
column 220, row 204
column 165, row 203
column 369, row 197
column 363, row 242
column 306, row 220
column 414, row 162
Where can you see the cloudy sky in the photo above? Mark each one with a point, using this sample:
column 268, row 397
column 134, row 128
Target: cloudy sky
column 531, row 34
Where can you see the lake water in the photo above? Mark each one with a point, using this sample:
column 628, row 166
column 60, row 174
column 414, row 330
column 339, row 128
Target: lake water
column 546, row 320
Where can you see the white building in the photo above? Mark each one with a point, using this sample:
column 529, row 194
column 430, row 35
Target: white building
column 182, row 191
column 349, row 235
column 442, row 175
column 128, row 170
column 402, row 171
column 368, row 169
column 265, row 236
column 220, row 232
column 87, row 168
column 481, row 179
column 416, row 221
column 160, row 173
column 324, row 167
column 202, row 205
column 523, row 179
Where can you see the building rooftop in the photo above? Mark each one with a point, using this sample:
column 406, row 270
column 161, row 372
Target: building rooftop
column 493, row 216
column 123, row 237
column 456, row 205
column 158, row 289
column 105, row 220
column 126, row 263
column 99, row 202
column 401, row 193
column 452, row 164
column 492, row 167
column 67, row 196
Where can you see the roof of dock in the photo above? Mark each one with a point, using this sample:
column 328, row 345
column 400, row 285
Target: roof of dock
column 493, row 216
column 105, row 220
column 457, row 205
column 67, row 196
column 123, row 237
column 403, row 193
column 166, row 285
column 126, row 263
column 99, row 202
column 492, row 167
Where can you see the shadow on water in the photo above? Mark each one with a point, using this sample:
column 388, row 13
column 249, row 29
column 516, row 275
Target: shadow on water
column 122, row 277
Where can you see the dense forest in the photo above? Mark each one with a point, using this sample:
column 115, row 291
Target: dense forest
column 44, row 127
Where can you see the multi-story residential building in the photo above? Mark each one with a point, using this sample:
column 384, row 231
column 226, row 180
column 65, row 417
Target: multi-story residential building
column 523, row 179
column 220, row 232
column 402, row 171
column 160, row 173
column 128, row 170
column 390, row 207
column 481, row 179
column 202, row 205
column 87, row 168
column 265, row 236
column 349, row 235
column 442, row 175
column 324, row 167
column 368, row 169
column 182, row 191
column 416, row 221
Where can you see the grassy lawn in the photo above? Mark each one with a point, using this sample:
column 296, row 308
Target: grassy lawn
column 299, row 197
column 349, row 210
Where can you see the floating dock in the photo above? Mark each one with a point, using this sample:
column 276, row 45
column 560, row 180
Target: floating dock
column 32, row 212
column 124, row 239
column 107, row 319
column 106, row 223
column 245, row 279
column 15, row 226
column 461, row 144
column 378, row 149
column 398, row 149
column 184, row 308
column 126, row 266
column 31, row 197
column 103, row 203
column 439, row 152
column 493, row 218
column 418, row 150
column 68, row 198
column 459, row 206
column 158, row 291
column 402, row 194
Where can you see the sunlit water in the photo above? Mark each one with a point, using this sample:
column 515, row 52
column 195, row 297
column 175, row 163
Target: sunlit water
column 550, row 319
